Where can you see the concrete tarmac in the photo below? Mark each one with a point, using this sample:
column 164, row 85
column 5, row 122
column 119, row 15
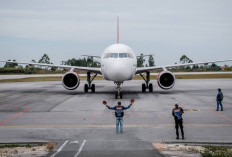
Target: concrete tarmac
column 83, row 126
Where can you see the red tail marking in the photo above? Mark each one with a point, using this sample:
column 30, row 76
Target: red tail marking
column 117, row 29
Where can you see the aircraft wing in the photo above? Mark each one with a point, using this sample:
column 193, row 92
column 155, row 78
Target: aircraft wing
column 87, row 69
column 147, row 69
column 91, row 56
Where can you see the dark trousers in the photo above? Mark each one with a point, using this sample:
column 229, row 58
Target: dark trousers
column 219, row 103
column 179, row 123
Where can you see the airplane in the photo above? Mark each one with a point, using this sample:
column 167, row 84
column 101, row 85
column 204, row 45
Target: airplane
column 118, row 64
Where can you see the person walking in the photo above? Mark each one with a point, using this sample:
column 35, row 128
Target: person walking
column 177, row 114
column 219, row 99
column 119, row 113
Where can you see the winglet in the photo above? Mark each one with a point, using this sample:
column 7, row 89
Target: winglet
column 117, row 29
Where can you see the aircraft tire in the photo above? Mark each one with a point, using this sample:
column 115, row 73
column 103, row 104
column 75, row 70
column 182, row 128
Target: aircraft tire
column 150, row 87
column 143, row 87
column 93, row 88
column 86, row 88
column 118, row 96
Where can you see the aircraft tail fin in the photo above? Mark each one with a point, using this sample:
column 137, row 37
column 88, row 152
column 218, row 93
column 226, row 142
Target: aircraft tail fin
column 117, row 29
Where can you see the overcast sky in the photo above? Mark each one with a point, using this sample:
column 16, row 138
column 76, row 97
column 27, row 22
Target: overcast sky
column 65, row 29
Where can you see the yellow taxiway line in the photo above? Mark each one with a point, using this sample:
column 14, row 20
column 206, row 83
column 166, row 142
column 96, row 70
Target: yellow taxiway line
column 110, row 125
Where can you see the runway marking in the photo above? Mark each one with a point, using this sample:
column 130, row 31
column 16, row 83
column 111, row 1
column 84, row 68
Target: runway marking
column 15, row 116
column 77, row 142
column 221, row 115
column 110, row 125
column 60, row 148
column 80, row 149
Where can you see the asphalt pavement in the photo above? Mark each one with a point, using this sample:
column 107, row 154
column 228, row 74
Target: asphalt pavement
column 83, row 126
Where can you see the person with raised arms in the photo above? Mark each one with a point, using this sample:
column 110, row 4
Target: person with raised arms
column 119, row 113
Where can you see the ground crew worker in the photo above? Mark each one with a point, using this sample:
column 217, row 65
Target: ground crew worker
column 119, row 113
column 177, row 114
column 219, row 99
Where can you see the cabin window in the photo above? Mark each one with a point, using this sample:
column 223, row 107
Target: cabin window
column 122, row 55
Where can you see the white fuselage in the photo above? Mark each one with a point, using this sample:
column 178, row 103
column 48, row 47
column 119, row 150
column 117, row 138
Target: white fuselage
column 118, row 63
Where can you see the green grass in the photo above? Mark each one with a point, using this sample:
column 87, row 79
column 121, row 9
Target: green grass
column 137, row 77
column 217, row 151
column 39, row 79
column 203, row 76
column 15, row 145
column 32, row 79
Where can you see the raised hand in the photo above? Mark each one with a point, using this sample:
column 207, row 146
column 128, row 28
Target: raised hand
column 132, row 101
column 104, row 102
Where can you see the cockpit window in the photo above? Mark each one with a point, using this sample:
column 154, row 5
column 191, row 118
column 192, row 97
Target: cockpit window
column 118, row 55
column 114, row 55
column 122, row 55
column 130, row 55
column 107, row 55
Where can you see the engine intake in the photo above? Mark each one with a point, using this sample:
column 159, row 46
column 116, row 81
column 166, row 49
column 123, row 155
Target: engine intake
column 166, row 80
column 71, row 80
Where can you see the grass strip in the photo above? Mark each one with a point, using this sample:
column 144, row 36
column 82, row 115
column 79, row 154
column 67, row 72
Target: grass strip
column 217, row 151
column 20, row 145
column 203, row 76
column 39, row 79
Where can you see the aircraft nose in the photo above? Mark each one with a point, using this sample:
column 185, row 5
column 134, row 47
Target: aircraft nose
column 120, row 72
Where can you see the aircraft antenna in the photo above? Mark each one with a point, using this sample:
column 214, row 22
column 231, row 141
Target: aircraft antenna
column 117, row 29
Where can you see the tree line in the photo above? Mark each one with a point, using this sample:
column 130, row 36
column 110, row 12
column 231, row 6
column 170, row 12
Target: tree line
column 33, row 69
column 141, row 61
column 183, row 60
column 90, row 62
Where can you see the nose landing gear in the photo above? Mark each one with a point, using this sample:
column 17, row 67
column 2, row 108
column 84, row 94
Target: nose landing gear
column 146, row 85
column 118, row 95
column 89, row 85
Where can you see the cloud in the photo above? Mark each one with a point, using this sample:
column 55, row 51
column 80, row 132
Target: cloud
column 163, row 25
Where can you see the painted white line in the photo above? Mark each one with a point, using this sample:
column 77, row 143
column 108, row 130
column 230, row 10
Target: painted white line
column 60, row 148
column 74, row 142
column 80, row 149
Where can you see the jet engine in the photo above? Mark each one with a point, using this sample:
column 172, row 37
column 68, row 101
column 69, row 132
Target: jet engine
column 166, row 80
column 71, row 80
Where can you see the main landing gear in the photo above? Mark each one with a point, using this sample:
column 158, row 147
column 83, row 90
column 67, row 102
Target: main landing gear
column 146, row 85
column 118, row 95
column 89, row 85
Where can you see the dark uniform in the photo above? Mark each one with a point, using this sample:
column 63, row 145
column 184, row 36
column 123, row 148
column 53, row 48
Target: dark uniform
column 177, row 114
column 219, row 99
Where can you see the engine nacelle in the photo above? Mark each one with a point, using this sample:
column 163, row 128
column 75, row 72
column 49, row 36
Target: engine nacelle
column 71, row 80
column 166, row 80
